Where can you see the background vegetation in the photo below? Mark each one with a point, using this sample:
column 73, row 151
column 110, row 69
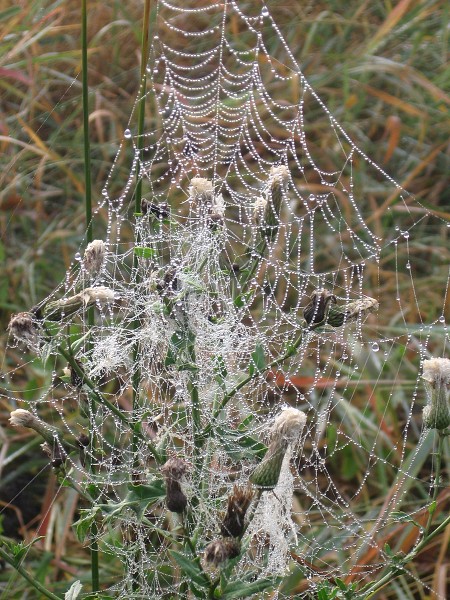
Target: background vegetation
column 381, row 69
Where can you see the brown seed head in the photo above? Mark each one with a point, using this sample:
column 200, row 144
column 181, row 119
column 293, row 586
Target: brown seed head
column 219, row 551
column 233, row 523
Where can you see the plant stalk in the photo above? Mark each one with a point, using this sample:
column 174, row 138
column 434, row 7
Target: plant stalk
column 26, row 575
column 89, row 236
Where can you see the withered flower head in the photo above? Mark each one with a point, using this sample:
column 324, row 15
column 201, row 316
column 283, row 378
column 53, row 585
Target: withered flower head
column 234, row 519
column 25, row 328
column 219, row 551
column 175, row 468
column 161, row 210
column 317, row 310
column 436, row 375
column 288, row 425
column 287, row 430
column 94, row 257
column 201, row 191
column 259, row 209
column 24, row 418
column 173, row 472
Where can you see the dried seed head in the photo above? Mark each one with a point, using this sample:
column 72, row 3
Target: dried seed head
column 238, row 503
column 259, row 209
column 75, row 379
column 97, row 294
column 288, row 425
column 317, row 310
column 287, row 430
column 25, row 328
column 175, row 469
column 279, row 175
column 94, row 257
column 83, row 440
column 340, row 315
column 173, row 472
column 24, row 418
column 201, row 191
column 176, row 500
column 436, row 375
column 219, row 551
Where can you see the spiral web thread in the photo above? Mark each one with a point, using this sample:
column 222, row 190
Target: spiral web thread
column 229, row 112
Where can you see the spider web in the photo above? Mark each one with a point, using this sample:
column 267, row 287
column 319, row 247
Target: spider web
column 201, row 293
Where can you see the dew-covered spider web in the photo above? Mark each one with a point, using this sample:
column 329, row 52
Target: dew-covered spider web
column 262, row 269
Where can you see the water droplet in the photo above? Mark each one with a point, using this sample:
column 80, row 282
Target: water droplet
column 78, row 256
column 405, row 234
column 127, row 134
column 408, row 265
column 265, row 12
column 442, row 319
column 375, row 347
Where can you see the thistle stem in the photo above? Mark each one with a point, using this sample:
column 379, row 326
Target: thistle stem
column 437, row 479
column 89, row 231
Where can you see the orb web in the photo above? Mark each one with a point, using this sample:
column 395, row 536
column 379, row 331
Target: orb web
column 208, row 293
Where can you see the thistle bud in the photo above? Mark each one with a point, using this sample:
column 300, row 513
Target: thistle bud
column 94, row 257
column 24, row 418
column 323, row 309
column 286, row 431
column 238, row 503
column 55, row 310
column 219, row 551
column 266, row 210
column 436, row 375
column 173, row 472
column 25, row 328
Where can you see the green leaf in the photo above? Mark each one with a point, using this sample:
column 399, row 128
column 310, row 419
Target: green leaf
column 238, row 445
column 151, row 492
column 242, row 299
column 257, row 361
column 340, row 584
column 243, row 589
column 402, row 517
column 143, row 252
column 190, row 568
column 84, row 523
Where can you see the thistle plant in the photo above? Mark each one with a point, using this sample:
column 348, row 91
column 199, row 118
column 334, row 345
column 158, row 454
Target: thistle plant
column 210, row 351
